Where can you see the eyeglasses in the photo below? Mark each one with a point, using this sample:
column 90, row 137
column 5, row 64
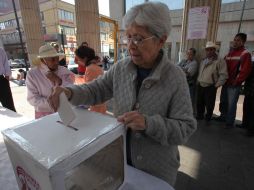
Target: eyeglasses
column 137, row 40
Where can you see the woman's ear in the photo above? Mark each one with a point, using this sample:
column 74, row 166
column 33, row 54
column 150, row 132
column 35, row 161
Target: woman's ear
column 162, row 40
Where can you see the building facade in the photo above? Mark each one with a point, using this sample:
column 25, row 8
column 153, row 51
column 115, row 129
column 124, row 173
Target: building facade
column 58, row 20
column 58, row 25
column 230, row 16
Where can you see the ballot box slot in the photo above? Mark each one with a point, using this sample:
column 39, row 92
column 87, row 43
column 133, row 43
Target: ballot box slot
column 71, row 127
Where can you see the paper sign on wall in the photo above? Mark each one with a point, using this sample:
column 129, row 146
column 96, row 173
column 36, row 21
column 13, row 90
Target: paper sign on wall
column 197, row 23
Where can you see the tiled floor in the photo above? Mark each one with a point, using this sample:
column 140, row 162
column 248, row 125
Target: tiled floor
column 217, row 159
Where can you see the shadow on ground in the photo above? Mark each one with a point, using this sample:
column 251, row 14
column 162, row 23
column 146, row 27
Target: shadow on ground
column 225, row 161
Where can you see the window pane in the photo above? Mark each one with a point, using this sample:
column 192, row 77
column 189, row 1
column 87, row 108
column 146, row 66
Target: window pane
column 172, row 5
column 131, row 3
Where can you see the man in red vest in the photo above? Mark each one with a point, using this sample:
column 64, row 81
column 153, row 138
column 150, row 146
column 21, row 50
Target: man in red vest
column 239, row 67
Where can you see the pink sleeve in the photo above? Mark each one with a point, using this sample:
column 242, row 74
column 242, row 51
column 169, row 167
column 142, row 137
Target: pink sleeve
column 33, row 96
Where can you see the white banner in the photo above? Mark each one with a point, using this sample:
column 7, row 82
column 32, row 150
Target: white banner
column 197, row 23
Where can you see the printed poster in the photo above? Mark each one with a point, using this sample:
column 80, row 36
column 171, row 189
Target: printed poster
column 197, row 23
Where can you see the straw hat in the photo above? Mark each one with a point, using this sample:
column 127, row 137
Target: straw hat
column 48, row 51
column 211, row 45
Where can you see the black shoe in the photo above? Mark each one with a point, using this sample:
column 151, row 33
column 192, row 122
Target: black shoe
column 249, row 133
column 228, row 126
column 199, row 117
column 241, row 126
column 208, row 119
column 220, row 119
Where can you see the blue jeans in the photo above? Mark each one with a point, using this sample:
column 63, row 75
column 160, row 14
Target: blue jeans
column 228, row 103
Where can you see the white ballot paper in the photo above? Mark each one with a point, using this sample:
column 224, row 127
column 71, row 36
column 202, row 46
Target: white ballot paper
column 65, row 111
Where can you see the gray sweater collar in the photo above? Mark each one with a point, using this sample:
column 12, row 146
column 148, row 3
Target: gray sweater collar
column 156, row 71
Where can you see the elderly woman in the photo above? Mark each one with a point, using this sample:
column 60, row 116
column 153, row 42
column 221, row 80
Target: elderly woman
column 150, row 94
column 41, row 79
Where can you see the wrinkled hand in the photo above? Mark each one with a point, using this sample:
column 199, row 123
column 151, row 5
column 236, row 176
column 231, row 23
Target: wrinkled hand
column 56, row 81
column 53, row 99
column 133, row 120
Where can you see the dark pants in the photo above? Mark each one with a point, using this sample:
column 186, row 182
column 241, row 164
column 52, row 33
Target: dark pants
column 205, row 101
column 5, row 94
column 248, row 113
column 223, row 106
column 192, row 92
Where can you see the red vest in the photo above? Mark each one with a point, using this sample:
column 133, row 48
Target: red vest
column 239, row 66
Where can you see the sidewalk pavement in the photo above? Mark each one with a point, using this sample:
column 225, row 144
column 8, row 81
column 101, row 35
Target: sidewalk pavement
column 19, row 94
column 213, row 159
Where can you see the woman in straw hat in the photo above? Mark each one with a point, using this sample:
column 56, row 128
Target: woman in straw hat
column 41, row 79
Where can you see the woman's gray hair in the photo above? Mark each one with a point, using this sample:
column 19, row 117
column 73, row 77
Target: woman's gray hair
column 153, row 15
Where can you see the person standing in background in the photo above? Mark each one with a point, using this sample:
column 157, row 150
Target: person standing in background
column 81, row 67
column 212, row 74
column 5, row 73
column 248, row 104
column 86, row 56
column 190, row 68
column 239, row 67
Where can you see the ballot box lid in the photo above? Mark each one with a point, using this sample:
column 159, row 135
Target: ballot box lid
column 49, row 142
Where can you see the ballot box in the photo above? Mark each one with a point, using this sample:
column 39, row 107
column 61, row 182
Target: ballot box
column 87, row 154
column 8, row 119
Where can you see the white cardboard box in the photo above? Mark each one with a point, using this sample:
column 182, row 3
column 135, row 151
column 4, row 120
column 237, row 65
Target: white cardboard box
column 48, row 155
column 8, row 119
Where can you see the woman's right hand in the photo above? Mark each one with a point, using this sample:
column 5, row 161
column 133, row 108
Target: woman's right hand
column 53, row 99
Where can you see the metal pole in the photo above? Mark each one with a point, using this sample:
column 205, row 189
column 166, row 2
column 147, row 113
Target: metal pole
column 62, row 40
column 20, row 35
column 243, row 7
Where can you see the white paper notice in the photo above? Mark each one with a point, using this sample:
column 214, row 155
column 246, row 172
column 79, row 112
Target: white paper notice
column 65, row 111
column 197, row 23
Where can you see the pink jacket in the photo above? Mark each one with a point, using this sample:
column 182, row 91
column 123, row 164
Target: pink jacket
column 39, row 87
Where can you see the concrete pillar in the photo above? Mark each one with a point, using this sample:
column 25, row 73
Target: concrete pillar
column 31, row 19
column 174, row 52
column 213, row 20
column 87, row 21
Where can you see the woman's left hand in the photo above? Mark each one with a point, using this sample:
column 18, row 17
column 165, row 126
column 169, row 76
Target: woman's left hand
column 133, row 120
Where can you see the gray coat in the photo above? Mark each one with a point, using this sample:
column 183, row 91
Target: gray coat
column 163, row 99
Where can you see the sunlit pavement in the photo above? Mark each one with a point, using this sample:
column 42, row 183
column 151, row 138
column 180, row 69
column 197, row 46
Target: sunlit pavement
column 19, row 94
column 213, row 159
